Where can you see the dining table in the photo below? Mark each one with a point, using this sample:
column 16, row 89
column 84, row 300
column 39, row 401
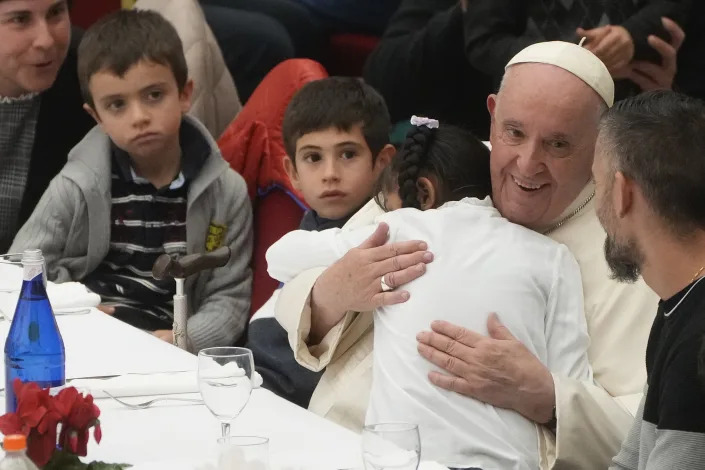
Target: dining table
column 123, row 366
column 173, row 434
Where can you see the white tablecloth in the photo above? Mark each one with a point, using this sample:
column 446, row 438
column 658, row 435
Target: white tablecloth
column 98, row 345
column 178, row 436
column 181, row 436
column 186, row 434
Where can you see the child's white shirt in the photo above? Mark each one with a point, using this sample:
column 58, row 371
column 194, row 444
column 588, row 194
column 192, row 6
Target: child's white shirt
column 482, row 263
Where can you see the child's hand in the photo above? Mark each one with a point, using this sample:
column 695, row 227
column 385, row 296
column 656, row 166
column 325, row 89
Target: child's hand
column 612, row 44
column 106, row 309
column 165, row 335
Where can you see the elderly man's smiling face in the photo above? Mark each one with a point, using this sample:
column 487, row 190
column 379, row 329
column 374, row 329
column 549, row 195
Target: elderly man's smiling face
column 543, row 132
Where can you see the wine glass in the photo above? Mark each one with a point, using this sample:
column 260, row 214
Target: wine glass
column 225, row 382
column 387, row 446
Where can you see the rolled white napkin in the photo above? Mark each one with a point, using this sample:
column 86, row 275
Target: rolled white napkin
column 256, row 380
column 10, row 277
column 139, row 385
column 71, row 295
column 231, row 369
column 65, row 298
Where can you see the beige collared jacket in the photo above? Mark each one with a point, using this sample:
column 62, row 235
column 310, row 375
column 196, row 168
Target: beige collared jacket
column 593, row 417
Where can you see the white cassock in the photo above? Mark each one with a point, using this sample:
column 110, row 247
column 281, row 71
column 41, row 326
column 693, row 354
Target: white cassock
column 482, row 263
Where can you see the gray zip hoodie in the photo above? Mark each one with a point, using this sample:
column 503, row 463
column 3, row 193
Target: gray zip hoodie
column 71, row 225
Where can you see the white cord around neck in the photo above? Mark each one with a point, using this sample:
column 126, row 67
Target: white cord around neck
column 683, row 298
column 17, row 99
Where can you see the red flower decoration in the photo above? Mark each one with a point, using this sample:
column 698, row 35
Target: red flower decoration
column 83, row 413
column 65, row 400
column 32, row 407
column 38, row 415
column 11, row 424
column 97, row 432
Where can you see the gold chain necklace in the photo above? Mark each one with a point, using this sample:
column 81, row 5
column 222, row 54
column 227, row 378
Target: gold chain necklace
column 573, row 214
column 668, row 314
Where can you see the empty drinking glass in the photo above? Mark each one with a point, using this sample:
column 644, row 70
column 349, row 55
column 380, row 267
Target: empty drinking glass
column 388, row 446
column 225, row 382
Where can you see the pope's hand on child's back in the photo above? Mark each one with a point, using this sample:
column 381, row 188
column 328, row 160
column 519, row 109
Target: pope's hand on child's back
column 359, row 288
column 497, row 369
column 354, row 282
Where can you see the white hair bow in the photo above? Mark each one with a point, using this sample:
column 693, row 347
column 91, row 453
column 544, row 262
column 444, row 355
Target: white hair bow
column 424, row 121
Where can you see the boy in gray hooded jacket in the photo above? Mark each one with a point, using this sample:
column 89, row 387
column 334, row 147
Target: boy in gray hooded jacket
column 147, row 180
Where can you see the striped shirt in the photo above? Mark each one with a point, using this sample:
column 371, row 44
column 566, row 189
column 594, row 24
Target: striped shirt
column 669, row 429
column 146, row 222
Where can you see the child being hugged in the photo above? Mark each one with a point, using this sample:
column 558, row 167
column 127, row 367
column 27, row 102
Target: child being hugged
column 438, row 190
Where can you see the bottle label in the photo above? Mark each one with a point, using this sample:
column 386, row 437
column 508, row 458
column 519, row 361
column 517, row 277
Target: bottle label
column 31, row 271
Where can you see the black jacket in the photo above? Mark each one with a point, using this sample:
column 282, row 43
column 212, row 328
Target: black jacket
column 690, row 78
column 61, row 124
column 495, row 30
column 420, row 67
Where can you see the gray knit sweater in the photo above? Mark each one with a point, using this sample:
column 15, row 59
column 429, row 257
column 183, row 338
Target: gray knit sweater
column 71, row 225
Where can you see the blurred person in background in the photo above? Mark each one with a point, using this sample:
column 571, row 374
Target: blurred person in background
column 308, row 24
column 423, row 64
column 41, row 108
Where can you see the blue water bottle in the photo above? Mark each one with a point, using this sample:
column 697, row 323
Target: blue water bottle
column 34, row 350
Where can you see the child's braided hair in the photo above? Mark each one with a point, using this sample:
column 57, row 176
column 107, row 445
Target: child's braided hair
column 458, row 161
column 410, row 161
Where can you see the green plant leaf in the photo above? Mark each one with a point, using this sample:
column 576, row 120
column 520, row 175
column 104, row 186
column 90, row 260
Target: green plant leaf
column 107, row 466
column 62, row 460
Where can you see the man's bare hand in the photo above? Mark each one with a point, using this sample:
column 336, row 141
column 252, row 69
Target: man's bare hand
column 593, row 36
column 650, row 76
column 612, row 44
column 498, row 370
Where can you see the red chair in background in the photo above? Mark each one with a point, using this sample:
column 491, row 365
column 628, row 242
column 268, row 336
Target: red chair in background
column 85, row 12
column 347, row 53
column 254, row 147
